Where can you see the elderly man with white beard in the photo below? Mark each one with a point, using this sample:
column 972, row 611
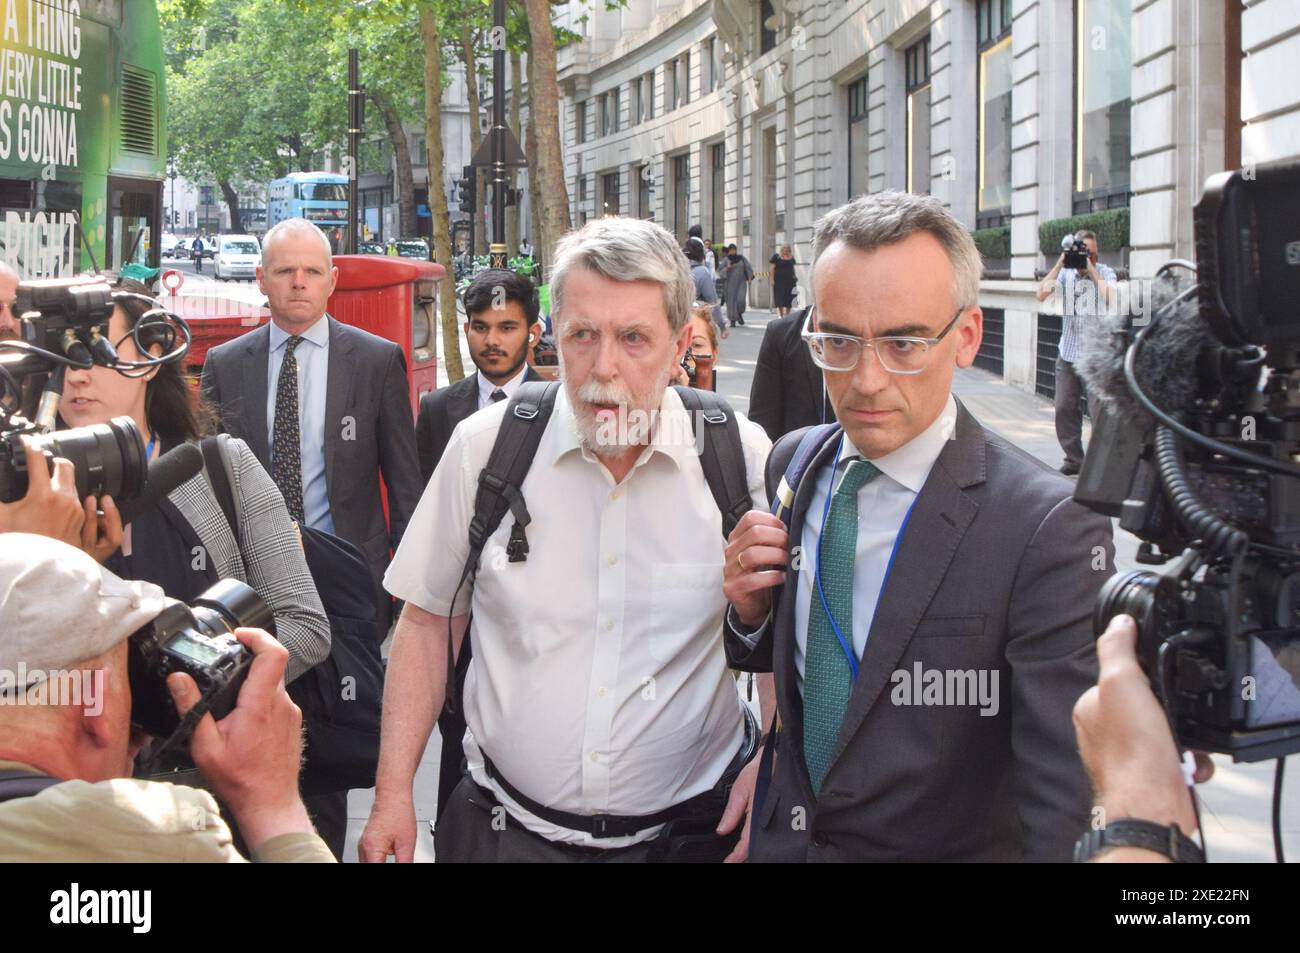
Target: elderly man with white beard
column 603, row 721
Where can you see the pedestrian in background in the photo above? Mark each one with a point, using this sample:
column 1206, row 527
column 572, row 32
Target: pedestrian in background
column 737, row 275
column 705, row 289
column 784, row 280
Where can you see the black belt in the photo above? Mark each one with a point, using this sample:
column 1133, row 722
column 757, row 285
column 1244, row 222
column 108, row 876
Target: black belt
column 625, row 825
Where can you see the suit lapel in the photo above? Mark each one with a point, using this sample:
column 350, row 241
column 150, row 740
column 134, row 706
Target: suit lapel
column 339, row 382
column 252, row 413
column 463, row 402
column 939, row 519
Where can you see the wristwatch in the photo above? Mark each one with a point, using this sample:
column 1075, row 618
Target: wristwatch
column 1131, row 832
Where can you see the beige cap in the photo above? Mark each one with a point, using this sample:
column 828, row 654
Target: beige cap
column 59, row 607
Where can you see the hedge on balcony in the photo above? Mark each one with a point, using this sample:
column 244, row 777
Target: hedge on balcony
column 994, row 243
column 1111, row 227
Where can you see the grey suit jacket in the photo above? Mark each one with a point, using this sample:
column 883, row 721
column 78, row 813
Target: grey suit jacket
column 369, row 431
column 440, row 411
column 998, row 570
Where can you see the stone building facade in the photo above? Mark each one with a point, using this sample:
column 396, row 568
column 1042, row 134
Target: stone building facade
column 755, row 117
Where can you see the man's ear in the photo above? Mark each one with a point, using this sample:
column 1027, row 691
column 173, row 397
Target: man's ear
column 970, row 333
column 535, row 332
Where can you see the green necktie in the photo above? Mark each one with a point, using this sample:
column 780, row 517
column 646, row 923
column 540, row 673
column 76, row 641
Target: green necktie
column 828, row 679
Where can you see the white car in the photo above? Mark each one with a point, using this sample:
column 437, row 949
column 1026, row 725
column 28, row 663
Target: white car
column 237, row 257
column 167, row 245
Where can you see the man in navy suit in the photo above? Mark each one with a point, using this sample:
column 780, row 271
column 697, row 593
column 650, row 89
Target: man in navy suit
column 503, row 323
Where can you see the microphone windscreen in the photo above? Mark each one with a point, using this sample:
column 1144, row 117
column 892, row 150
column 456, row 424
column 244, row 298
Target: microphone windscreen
column 165, row 474
column 1166, row 366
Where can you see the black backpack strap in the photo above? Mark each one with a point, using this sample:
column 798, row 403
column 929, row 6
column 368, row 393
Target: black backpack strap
column 216, row 468
column 16, row 783
column 722, row 455
column 499, row 493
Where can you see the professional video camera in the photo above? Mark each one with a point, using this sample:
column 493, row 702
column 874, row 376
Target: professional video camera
column 1195, row 453
column 1076, row 253
column 198, row 640
column 64, row 324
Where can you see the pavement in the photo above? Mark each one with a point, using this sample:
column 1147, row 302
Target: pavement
column 1235, row 804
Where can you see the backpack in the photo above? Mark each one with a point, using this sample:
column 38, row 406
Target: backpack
column 342, row 734
column 722, row 458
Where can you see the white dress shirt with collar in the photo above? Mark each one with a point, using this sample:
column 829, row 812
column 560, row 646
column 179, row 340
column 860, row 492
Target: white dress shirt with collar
column 486, row 387
column 599, row 682
column 313, row 357
column 883, row 504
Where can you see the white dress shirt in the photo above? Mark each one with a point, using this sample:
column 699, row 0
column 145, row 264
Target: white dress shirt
column 313, row 358
column 486, row 387
column 599, row 682
column 883, row 504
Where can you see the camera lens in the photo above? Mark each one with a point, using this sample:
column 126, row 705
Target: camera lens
column 1131, row 593
column 238, row 606
column 106, row 458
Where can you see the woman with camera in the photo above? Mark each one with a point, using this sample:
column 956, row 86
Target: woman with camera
column 699, row 366
column 185, row 543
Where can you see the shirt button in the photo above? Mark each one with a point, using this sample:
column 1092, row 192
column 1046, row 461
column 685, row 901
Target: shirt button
column 616, row 494
column 613, row 560
column 602, row 692
column 595, row 756
column 609, row 625
column 820, row 839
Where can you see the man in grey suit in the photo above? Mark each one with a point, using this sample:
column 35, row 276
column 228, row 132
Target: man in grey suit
column 933, row 623
column 353, row 417
column 324, row 407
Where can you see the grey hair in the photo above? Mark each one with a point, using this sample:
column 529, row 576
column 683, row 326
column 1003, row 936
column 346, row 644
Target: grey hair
column 1084, row 234
column 297, row 226
column 871, row 221
column 627, row 249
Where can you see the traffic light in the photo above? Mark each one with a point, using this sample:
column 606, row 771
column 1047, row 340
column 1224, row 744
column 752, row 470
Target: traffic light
column 465, row 197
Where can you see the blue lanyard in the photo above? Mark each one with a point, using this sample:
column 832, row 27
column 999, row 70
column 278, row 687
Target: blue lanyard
column 845, row 645
column 148, row 450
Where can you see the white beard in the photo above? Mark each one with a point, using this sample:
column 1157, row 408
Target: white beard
column 633, row 426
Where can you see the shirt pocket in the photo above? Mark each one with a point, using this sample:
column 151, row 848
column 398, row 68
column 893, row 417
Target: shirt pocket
column 682, row 597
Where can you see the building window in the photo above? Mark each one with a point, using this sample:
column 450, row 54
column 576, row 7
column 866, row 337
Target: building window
column 580, row 122
column 1103, row 103
column 670, row 86
column 681, row 90
column 609, row 112
column 636, row 108
column 582, row 189
column 858, row 140
column 609, row 194
column 916, row 61
column 649, row 99
column 717, row 188
column 615, row 107
column 681, row 195
column 766, row 26
column 712, row 68
column 994, row 39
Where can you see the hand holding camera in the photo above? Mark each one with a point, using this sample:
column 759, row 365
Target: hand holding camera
column 251, row 756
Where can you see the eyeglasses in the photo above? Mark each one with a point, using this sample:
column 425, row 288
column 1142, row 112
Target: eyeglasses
column 896, row 354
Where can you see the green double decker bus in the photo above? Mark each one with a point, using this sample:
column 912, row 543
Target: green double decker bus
column 82, row 135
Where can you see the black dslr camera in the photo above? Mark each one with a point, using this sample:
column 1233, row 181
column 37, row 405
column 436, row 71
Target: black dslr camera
column 64, row 324
column 198, row 640
column 1195, row 454
column 1076, row 253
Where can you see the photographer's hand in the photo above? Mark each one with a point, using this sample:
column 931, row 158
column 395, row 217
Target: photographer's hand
column 1125, row 742
column 101, row 536
column 251, row 756
column 50, row 506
